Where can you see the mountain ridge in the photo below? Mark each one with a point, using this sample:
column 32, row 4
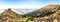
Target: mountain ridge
column 45, row 11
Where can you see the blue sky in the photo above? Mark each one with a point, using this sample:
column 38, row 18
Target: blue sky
column 26, row 4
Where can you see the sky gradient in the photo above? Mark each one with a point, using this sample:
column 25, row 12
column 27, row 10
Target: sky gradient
column 26, row 4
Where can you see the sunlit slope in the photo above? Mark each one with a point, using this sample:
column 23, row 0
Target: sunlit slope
column 45, row 11
column 11, row 13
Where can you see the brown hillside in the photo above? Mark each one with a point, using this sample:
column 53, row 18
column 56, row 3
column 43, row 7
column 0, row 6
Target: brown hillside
column 11, row 13
column 51, row 7
column 45, row 11
column 10, row 16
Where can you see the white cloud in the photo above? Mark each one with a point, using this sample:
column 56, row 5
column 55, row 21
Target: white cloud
column 5, row 6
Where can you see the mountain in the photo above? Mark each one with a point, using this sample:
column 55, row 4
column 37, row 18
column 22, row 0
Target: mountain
column 44, row 11
column 9, row 16
column 11, row 13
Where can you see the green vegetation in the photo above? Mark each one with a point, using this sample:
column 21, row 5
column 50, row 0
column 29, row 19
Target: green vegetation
column 40, row 13
column 29, row 18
